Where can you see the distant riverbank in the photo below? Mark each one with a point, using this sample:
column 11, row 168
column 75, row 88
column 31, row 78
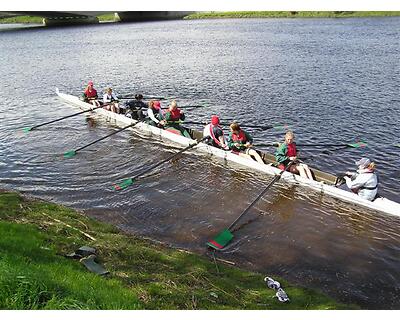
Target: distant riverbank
column 239, row 14
column 292, row 14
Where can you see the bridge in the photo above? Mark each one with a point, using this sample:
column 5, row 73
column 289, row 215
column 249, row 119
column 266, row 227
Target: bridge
column 63, row 18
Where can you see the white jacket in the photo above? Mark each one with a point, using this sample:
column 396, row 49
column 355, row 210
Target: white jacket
column 366, row 182
column 107, row 98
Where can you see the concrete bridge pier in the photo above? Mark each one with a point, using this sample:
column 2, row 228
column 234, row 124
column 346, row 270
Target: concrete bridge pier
column 69, row 20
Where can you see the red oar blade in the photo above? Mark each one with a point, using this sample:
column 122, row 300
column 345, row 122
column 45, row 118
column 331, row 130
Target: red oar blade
column 221, row 240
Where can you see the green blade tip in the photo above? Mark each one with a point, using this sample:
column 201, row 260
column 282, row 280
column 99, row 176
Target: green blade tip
column 26, row 130
column 123, row 185
column 69, row 154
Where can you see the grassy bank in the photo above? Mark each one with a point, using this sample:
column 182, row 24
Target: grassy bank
column 35, row 274
column 291, row 14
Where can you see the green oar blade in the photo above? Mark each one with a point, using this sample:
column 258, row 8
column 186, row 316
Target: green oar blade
column 26, row 130
column 357, row 144
column 69, row 154
column 221, row 240
column 124, row 184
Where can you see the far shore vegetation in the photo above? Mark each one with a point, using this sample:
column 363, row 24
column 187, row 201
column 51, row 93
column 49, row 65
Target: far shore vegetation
column 110, row 17
column 291, row 14
column 36, row 274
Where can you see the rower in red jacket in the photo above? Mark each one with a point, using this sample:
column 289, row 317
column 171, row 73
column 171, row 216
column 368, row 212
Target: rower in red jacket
column 90, row 95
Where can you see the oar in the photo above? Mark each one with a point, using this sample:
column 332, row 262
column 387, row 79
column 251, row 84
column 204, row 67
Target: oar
column 397, row 145
column 26, row 130
column 190, row 106
column 343, row 145
column 225, row 236
column 71, row 153
column 145, row 97
column 263, row 127
column 127, row 182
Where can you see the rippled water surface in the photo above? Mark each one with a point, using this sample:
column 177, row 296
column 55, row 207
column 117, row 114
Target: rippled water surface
column 330, row 80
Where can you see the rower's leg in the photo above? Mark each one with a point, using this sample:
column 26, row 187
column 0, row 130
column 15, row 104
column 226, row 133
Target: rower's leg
column 302, row 172
column 308, row 172
column 305, row 171
column 255, row 154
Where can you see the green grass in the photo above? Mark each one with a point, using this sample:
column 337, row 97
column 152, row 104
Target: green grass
column 34, row 274
column 291, row 14
column 22, row 19
column 110, row 17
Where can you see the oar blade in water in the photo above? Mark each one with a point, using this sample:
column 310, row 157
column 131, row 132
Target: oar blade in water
column 69, row 154
column 26, row 130
column 357, row 144
column 220, row 240
column 123, row 185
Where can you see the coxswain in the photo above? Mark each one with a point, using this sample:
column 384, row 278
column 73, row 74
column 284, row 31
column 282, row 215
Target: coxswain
column 155, row 114
column 136, row 107
column 173, row 118
column 287, row 152
column 240, row 142
column 110, row 101
column 90, row 95
column 215, row 133
column 364, row 182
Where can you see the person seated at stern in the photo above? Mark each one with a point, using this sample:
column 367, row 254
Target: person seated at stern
column 215, row 133
column 240, row 142
column 287, row 152
column 364, row 182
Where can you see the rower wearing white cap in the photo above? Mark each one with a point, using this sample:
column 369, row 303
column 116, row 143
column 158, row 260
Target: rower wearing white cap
column 365, row 181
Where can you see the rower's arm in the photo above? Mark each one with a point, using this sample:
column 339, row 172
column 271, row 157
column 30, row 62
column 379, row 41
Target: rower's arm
column 249, row 138
column 150, row 113
column 281, row 153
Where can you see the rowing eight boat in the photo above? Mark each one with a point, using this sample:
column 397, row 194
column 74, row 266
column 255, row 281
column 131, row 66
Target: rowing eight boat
column 325, row 182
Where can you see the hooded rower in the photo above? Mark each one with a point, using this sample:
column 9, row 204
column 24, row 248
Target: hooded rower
column 154, row 113
column 90, row 95
column 240, row 142
column 365, row 181
column 216, row 134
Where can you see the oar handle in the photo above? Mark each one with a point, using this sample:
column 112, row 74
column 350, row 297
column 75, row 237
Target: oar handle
column 66, row 117
column 275, row 179
column 169, row 158
column 109, row 135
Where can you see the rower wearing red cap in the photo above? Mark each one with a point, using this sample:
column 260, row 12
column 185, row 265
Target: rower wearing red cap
column 90, row 95
column 216, row 134
column 240, row 142
column 154, row 113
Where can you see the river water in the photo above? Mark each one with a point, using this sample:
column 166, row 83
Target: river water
column 329, row 80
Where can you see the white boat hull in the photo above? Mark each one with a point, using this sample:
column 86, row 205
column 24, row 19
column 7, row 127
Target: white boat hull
column 380, row 204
